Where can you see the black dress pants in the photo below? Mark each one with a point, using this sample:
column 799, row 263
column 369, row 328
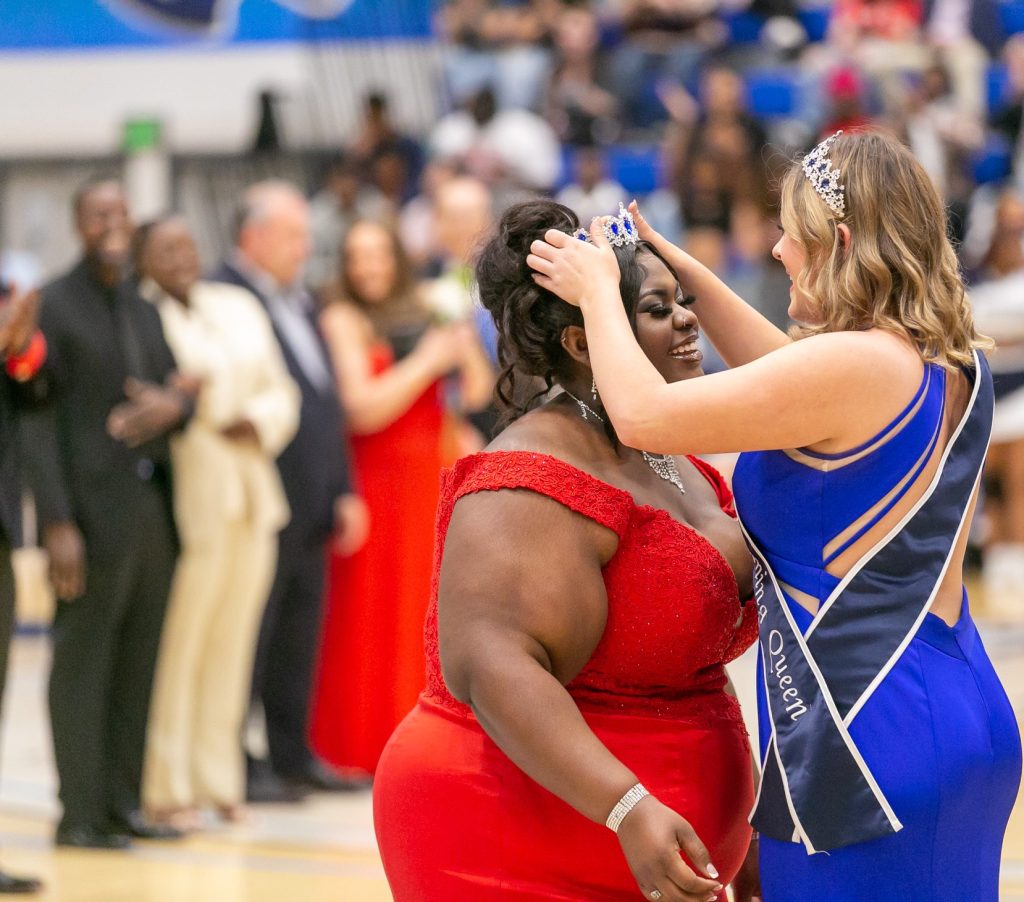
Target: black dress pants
column 105, row 646
column 6, row 611
column 286, row 655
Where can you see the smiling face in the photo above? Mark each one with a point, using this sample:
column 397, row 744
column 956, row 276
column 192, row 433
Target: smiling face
column 104, row 224
column 666, row 326
column 170, row 257
column 792, row 255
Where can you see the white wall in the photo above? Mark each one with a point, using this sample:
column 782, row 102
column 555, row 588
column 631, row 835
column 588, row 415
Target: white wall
column 75, row 103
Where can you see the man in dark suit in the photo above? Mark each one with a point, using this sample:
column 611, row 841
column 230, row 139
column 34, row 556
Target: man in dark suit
column 273, row 245
column 99, row 470
column 23, row 350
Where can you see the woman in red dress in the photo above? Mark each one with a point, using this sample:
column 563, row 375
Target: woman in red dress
column 586, row 598
column 390, row 363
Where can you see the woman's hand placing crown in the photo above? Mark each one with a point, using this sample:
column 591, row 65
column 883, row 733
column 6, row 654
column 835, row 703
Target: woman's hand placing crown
column 573, row 269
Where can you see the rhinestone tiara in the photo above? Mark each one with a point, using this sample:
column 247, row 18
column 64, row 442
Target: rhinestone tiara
column 619, row 230
column 818, row 169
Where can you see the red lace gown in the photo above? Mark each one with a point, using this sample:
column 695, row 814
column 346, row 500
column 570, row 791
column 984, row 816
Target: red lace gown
column 371, row 657
column 456, row 819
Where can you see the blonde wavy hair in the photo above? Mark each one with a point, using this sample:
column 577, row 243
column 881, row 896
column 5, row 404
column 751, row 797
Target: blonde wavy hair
column 899, row 272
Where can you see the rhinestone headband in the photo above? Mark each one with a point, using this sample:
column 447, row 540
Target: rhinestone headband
column 818, row 169
column 619, row 230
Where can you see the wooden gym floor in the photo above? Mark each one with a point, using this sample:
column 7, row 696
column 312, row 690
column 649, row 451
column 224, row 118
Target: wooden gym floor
column 320, row 851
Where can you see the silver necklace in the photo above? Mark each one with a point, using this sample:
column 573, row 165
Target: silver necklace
column 662, row 464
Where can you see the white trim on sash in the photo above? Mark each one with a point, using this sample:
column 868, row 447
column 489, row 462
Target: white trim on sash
column 830, row 704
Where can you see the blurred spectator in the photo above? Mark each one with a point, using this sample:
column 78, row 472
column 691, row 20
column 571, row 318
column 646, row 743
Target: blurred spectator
column 514, row 148
column 998, row 302
column 938, row 130
column 416, row 226
column 592, row 193
column 581, row 108
column 272, row 247
column 229, row 507
column 379, row 139
column 463, row 217
column 965, row 34
column 498, row 44
column 22, row 351
column 707, row 209
column 884, row 37
column 846, row 98
column 99, row 467
column 662, row 40
column 389, row 174
column 719, row 127
column 1008, row 119
column 344, row 199
column 391, row 362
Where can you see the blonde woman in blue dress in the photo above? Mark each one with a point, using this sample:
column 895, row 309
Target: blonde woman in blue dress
column 890, row 753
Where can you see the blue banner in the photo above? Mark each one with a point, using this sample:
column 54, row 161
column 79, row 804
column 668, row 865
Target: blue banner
column 90, row 24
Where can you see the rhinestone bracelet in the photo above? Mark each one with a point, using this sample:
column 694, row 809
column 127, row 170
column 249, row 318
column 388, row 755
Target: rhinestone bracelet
column 626, row 804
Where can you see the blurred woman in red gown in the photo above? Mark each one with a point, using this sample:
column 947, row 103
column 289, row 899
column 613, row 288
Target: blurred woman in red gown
column 391, row 363
column 586, row 598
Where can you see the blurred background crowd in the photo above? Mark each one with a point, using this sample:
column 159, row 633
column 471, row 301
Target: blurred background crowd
column 262, row 358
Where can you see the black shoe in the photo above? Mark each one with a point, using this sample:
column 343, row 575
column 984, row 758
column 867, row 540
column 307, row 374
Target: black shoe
column 265, row 787
column 12, row 886
column 135, row 825
column 318, row 777
column 92, row 838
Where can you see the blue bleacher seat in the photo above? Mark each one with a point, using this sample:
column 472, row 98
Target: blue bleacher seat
column 744, row 27
column 1012, row 15
column 771, row 92
column 994, row 161
column 996, row 84
column 637, row 167
column 815, row 21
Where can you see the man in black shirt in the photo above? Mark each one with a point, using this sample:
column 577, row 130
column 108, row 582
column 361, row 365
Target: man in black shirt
column 99, row 468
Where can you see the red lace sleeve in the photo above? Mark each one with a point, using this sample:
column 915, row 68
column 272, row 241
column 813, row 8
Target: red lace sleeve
column 579, row 491
column 718, row 483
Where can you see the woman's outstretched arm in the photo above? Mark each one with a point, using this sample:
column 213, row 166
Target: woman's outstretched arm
column 829, row 391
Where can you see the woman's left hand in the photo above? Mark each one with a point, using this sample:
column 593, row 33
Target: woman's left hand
column 747, row 885
column 571, row 268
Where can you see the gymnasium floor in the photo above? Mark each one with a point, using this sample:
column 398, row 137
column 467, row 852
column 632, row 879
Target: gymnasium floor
column 321, row 851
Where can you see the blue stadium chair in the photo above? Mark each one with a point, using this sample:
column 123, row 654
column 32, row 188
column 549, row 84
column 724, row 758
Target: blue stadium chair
column 815, row 21
column 771, row 92
column 994, row 161
column 996, row 85
column 1012, row 14
column 744, row 27
column 636, row 168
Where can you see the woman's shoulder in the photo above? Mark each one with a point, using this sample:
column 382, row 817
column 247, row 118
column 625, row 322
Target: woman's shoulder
column 545, row 431
column 342, row 317
column 873, row 360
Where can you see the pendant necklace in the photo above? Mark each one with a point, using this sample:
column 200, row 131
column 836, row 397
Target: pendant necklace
column 662, row 464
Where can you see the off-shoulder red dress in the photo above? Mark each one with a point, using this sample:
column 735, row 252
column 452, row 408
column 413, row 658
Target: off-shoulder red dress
column 456, row 819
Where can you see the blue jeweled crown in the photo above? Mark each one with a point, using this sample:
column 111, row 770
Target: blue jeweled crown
column 818, row 169
column 619, row 230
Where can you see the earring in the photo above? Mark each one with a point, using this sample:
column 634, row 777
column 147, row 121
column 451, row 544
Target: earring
column 593, row 389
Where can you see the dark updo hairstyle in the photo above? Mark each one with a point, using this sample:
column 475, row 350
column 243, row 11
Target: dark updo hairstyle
column 530, row 319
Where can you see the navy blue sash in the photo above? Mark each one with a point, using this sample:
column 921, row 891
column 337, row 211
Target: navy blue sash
column 816, row 787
